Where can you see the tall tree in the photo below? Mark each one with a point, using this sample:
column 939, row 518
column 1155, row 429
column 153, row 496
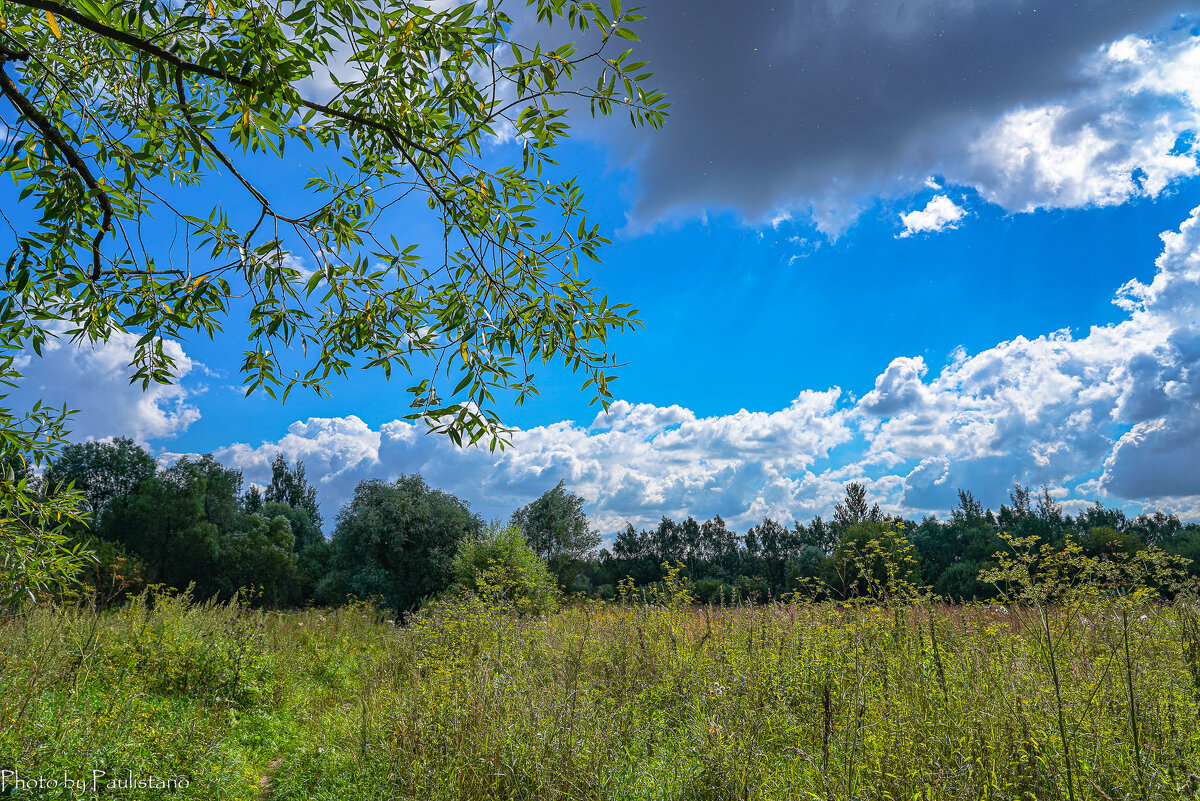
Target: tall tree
column 102, row 471
column 164, row 523
column 290, row 486
column 853, row 509
column 557, row 528
column 821, row 535
column 397, row 541
column 260, row 554
column 218, row 487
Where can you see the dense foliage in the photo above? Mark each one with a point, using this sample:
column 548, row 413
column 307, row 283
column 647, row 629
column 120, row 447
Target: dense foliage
column 771, row 560
column 501, row 567
column 396, row 542
column 189, row 524
column 194, row 523
column 557, row 530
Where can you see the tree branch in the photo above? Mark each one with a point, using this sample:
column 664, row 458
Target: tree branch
column 145, row 46
column 206, row 141
column 58, row 142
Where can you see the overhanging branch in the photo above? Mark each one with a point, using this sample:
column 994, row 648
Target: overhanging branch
column 59, row 143
column 145, row 46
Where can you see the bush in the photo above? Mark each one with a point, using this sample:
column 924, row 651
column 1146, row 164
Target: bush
column 707, row 590
column 751, row 588
column 210, row 650
column 582, row 585
column 499, row 566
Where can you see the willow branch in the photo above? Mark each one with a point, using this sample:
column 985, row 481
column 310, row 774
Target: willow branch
column 146, row 46
column 59, row 143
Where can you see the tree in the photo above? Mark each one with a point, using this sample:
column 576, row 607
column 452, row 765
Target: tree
column 114, row 103
column 102, row 471
column 163, row 523
column 397, row 541
column 311, row 549
column 217, row 486
column 303, row 530
column 853, row 510
column 719, row 542
column 117, row 111
column 875, row 559
column 969, row 511
column 821, row 536
column 557, row 529
column 252, row 500
column 290, row 486
column 1105, row 540
column 260, row 554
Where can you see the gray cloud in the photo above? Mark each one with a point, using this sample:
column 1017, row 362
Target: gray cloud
column 830, row 102
column 1156, row 459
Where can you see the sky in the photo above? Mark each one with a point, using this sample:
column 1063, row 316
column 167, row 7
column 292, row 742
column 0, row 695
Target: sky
column 920, row 244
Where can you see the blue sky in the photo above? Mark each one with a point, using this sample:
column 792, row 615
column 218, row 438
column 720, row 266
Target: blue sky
column 922, row 250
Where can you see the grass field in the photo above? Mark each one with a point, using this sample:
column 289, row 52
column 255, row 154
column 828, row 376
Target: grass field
column 783, row 701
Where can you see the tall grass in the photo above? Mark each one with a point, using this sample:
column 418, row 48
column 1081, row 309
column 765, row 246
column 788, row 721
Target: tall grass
column 662, row 701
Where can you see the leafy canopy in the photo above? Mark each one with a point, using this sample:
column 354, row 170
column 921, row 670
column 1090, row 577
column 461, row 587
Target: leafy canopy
column 115, row 114
column 556, row 526
column 396, row 541
column 115, row 107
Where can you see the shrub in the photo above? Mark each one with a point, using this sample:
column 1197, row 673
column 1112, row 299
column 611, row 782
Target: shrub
column 707, row 590
column 499, row 566
column 582, row 585
column 209, row 650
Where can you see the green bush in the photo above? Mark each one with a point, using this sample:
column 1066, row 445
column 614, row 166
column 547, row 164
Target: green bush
column 707, row 590
column 499, row 566
column 174, row 646
column 581, row 585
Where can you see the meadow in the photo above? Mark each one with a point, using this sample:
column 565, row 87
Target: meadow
column 658, row 700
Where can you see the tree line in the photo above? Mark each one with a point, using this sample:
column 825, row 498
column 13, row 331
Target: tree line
column 823, row 557
column 197, row 523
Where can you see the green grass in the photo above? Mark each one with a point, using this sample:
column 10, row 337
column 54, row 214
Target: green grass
column 607, row 702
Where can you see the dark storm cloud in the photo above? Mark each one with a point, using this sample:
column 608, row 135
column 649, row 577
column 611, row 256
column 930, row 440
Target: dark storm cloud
column 829, row 101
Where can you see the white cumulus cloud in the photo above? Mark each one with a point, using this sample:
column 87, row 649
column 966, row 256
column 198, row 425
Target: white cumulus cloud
column 1122, row 401
column 93, row 378
column 634, row 464
column 939, row 214
column 1114, row 413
